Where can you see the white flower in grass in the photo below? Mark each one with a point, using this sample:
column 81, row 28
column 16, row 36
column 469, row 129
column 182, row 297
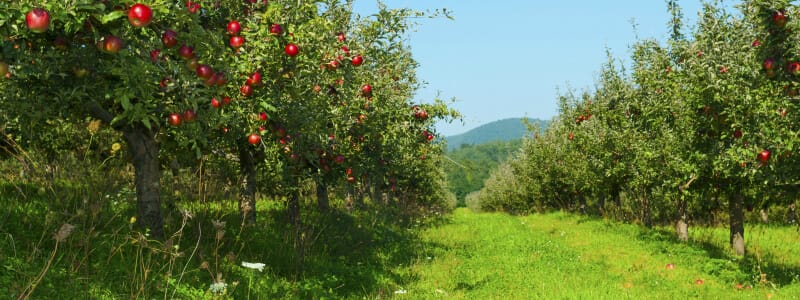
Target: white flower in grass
column 218, row 287
column 254, row 266
column 400, row 291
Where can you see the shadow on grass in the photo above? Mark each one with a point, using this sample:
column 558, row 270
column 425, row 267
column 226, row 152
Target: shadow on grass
column 721, row 261
column 344, row 255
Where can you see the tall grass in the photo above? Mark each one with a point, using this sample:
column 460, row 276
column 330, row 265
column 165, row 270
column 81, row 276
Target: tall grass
column 104, row 256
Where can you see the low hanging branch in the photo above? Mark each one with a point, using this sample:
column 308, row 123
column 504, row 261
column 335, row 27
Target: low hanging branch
column 687, row 184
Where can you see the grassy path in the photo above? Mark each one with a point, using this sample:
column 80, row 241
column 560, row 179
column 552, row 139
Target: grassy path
column 557, row 256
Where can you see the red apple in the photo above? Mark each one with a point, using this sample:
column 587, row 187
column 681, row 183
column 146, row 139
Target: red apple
column 140, row 15
column 429, row 137
column 112, row 44
column 204, row 71
column 340, row 36
column 366, row 89
column 769, row 64
column 670, row 266
column 737, row 133
column 254, row 139
column 763, row 156
column 192, row 7
column 263, row 116
column 38, row 20
column 189, row 115
column 756, row 43
column 192, row 63
column 793, row 68
column 226, row 100
column 421, row 114
column 357, row 60
column 339, row 159
column 169, row 38
column 275, row 29
column 333, row 64
column 215, row 103
column 779, row 18
column 571, row 136
column 236, row 42
column 174, row 119
column 254, row 79
column 164, row 82
column 280, row 131
column 246, row 90
column 60, row 43
column 234, row 27
column 154, row 55
column 291, row 50
column 187, row 52
column 698, row 282
column 220, row 78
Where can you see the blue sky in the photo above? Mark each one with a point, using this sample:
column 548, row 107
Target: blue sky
column 509, row 58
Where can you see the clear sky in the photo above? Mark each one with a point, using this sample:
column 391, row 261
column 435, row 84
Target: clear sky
column 508, row 58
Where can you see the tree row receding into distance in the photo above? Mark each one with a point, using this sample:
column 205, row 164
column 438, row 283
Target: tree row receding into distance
column 697, row 129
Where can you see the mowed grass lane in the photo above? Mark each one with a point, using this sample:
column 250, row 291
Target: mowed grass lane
column 560, row 256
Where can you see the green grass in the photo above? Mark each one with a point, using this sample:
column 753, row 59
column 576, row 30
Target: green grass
column 377, row 253
column 559, row 256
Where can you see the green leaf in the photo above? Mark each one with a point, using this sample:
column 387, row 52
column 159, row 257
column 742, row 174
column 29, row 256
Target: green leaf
column 125, row 102
column 146, row 122
column 112, row 16
column 265, row 106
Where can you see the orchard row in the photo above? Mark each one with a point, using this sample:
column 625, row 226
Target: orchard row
column 704, row 125
column 290, row 91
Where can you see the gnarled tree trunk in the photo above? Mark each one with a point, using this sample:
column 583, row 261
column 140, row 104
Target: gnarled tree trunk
column 682, row 226
column 247, row 188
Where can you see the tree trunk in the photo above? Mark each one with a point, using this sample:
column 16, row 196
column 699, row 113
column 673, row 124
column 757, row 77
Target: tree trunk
column 582, row 202
column 736, row 201
column 247, row 187
column 764, row 215
column 144, row 151
column 323, row 203
column 601, row 204
column 359, row 199
column 294, row 207
column 616, row 192
column 648, row 222
column 682, row 228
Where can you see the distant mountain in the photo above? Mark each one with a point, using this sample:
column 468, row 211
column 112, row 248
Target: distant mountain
column 502, row 130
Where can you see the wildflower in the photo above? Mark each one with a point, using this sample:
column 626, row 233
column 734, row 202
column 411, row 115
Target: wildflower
column 400, row 291
column 218, row 287
column 254, row 266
